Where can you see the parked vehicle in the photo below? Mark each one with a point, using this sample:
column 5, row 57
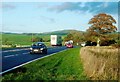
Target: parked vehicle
column 38, row 47
column 90, row 43
column 56, row 40
column 69, row 45
column 83, row 44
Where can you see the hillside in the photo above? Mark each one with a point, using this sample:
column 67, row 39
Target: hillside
column 59, row 32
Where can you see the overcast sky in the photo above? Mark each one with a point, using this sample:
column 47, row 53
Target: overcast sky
column 51, row 16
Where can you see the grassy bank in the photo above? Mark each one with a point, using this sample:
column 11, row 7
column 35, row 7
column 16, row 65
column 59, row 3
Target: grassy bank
column 64, row 65
column 100, row 63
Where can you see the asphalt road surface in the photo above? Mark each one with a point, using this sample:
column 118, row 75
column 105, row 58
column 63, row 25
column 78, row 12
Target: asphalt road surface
column 16, row 57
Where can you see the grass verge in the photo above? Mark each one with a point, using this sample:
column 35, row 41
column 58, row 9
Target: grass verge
column 100, row 63
column 64, row 65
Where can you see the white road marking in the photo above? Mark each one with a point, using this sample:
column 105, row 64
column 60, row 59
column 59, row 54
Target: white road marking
column 8, row 56
column 15, row 50
column 29, row 62
column 16, row 54
column 25, row 53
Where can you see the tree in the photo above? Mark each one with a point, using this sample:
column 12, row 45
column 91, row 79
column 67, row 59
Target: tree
column 76, row 36
column 37, row 39
column 68, row 37
column 101, row 24
column 6, row 40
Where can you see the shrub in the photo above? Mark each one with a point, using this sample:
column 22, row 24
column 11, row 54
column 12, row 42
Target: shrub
column 37, row 39
column 117, row 45
column 88, row 43
column 13, row 45
column 94, row 44
column 107, row 42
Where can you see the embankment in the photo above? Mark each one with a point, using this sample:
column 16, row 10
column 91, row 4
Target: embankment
column 100, row 63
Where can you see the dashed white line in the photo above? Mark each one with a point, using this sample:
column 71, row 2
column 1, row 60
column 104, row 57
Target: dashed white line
column 8, row 56
column 14, row 55
column 15, row 50
column 25, row 53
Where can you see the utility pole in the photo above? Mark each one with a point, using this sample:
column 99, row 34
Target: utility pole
column 32, row 37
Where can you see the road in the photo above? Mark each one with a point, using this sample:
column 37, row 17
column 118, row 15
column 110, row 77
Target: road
column 16, row 57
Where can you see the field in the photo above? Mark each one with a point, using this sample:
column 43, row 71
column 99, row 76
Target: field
column 22, row 39
column 65, row 65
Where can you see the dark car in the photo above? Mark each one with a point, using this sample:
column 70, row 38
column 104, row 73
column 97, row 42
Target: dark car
column 69, row 45
column 38, row 47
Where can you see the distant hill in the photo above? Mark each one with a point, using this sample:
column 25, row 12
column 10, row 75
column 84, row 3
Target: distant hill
column 59, row 32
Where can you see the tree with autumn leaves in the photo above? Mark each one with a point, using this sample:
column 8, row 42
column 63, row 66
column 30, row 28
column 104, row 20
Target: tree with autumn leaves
column 101, row 24
column 76, row 36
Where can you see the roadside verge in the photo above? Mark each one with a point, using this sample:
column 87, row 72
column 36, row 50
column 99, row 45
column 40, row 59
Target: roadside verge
column 100, row 63
column 64, row 65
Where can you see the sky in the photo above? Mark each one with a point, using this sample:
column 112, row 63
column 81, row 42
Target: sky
column 39, row 17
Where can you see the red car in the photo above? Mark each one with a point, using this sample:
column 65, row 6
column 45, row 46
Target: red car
column 69, row 45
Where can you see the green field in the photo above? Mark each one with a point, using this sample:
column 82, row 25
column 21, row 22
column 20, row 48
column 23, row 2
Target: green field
column 20, row 39
column 65, row 65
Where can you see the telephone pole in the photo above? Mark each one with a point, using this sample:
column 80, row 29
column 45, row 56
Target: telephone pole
column 32, row 37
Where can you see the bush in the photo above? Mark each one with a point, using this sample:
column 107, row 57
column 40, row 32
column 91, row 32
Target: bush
column 88, row 43
column 94, row 43
column 117, row 45
column 7, row 43
column 107, row 42
column 37, row 39
column 13, row 45
column 104, row 43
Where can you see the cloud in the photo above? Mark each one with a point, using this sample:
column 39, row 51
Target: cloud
column 43, row 5
column 47, row 19
column 104, row 7
column 91, row 7
column 65, row 6
column 7, row 6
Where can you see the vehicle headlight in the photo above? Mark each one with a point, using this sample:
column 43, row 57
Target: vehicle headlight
column 30, row 48
column 41, row 48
